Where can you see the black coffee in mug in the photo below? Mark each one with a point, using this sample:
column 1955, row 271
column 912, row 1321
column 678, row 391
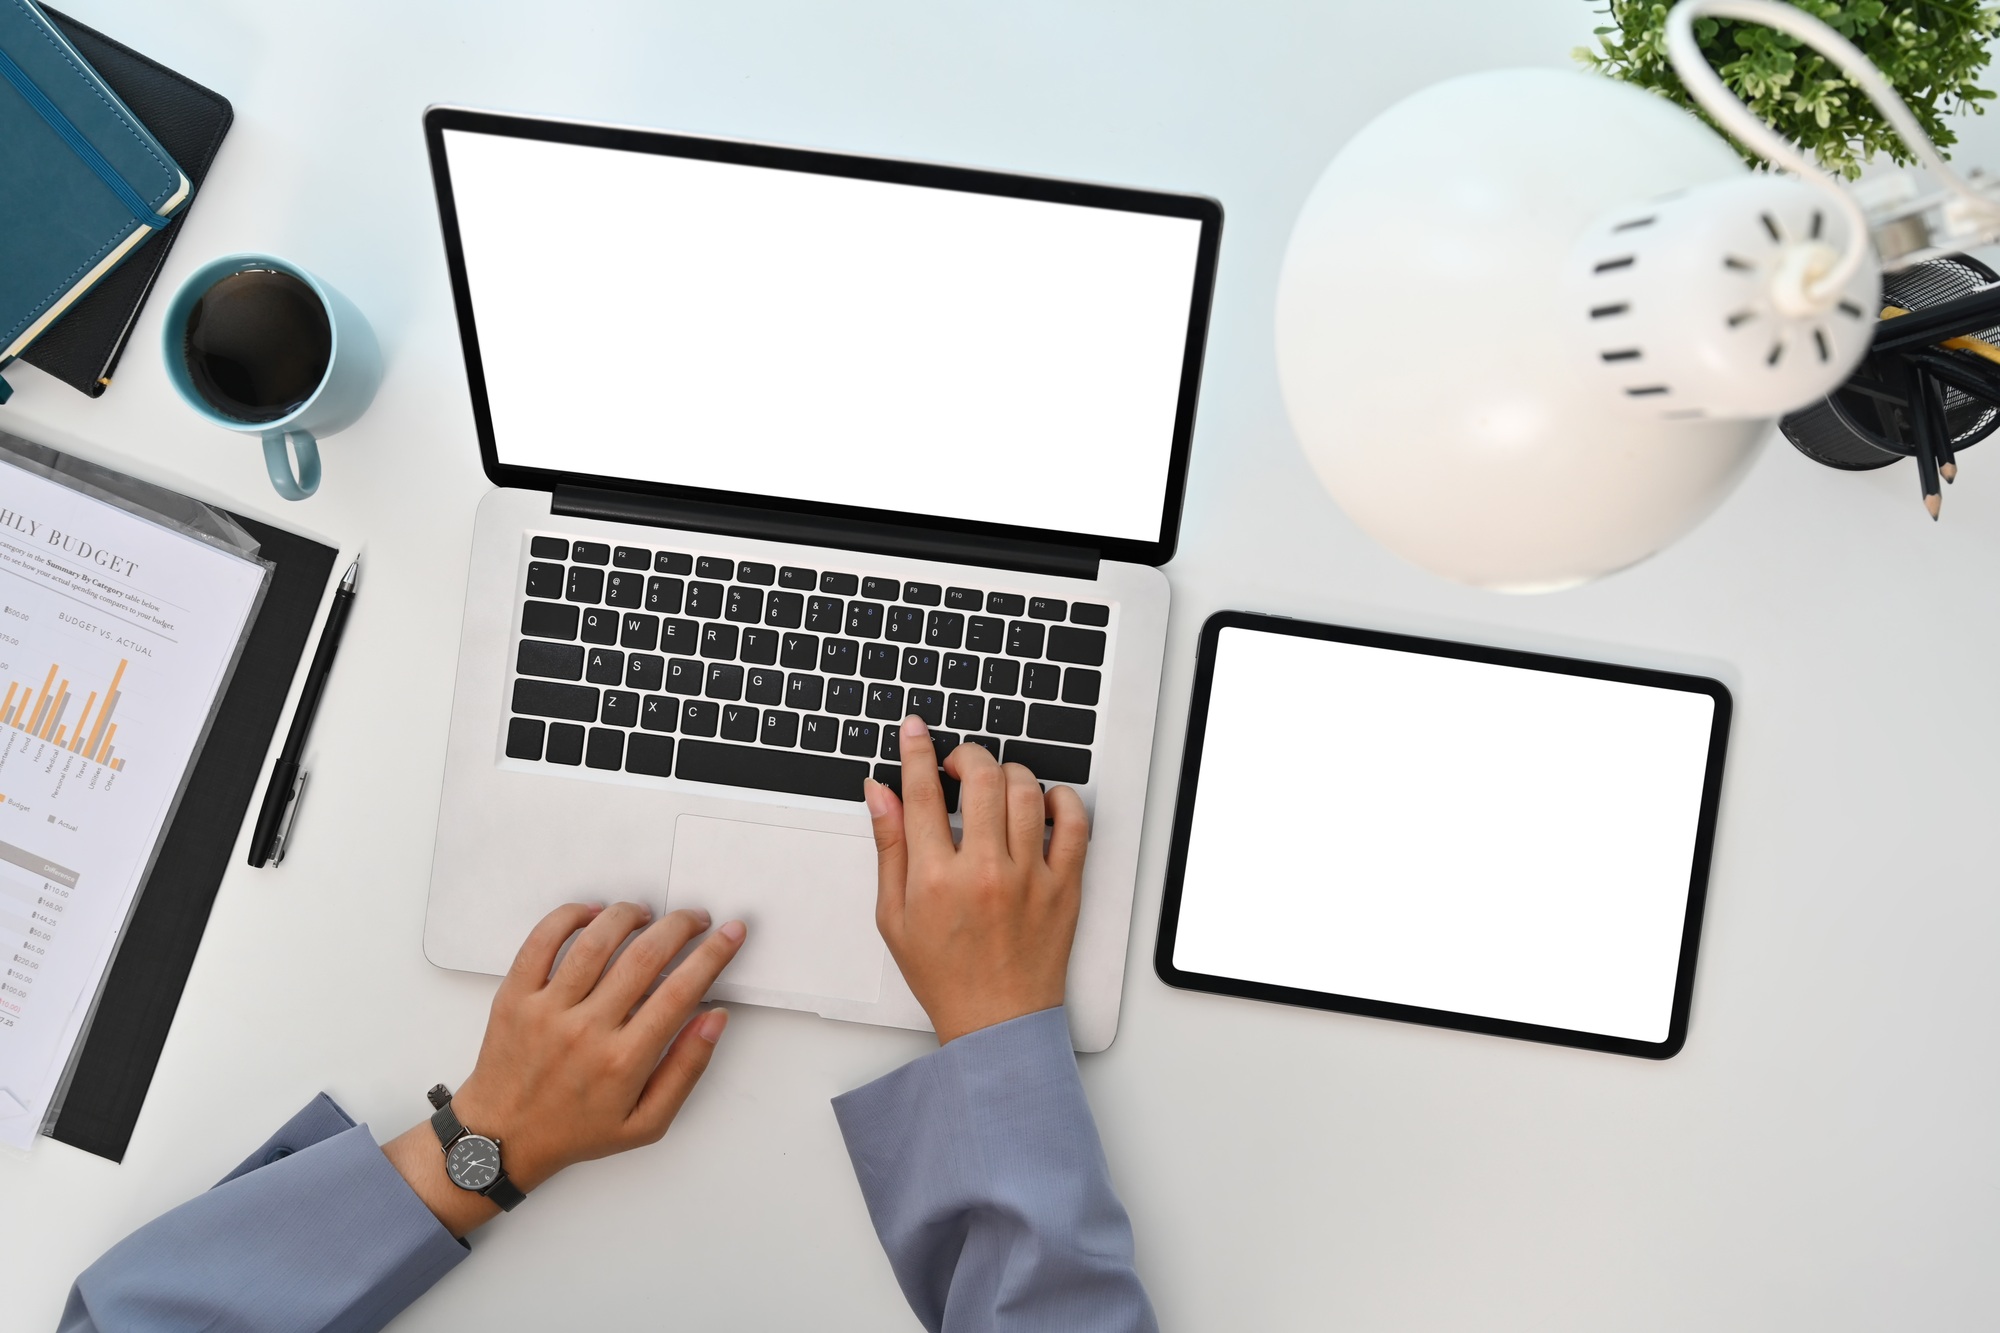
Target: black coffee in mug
column 257, row 345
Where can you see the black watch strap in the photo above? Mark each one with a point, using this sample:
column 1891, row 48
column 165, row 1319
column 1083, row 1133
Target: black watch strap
column 449, row 1130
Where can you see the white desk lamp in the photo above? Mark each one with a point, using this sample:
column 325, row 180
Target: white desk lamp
column 1533, row 324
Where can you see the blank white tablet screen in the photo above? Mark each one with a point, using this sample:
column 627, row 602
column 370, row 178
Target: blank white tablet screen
column 1480, row 839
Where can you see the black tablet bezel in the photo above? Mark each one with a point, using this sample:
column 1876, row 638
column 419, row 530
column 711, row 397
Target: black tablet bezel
column 1206, row 211
column 1704, row 844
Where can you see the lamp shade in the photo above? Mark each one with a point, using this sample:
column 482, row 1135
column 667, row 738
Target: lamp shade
column 1430, row 361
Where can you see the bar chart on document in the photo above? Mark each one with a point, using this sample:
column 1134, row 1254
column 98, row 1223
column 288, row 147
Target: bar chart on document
column 116, row 635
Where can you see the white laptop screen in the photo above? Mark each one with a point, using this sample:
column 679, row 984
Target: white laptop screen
column 824, row 339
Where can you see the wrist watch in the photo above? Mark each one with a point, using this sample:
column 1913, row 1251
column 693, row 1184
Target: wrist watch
column 471, row 1161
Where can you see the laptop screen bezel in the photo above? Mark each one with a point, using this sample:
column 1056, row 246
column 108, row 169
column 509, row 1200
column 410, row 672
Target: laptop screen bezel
column 439, row 119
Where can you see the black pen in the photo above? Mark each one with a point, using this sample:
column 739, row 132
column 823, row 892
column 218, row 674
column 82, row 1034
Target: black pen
column 288, row 781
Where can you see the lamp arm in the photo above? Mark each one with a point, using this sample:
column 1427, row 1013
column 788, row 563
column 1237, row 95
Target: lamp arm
column 1707, row 88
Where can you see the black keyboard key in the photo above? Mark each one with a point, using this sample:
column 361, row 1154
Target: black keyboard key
column 771, row 770
column 1002, row 676
column 740, row 722
column 991, row 744
column 548, row 620
column 590, row 553
column 858, row 738
column 673, row 562
column 684, row 676
column 556, row 661
column 764, row 685
column 886, row 702
column 878, row 660
column 545, row 698
column 825, row 614
column 837, row 656
column 699, row 717
column 965, row 710
column 945, row 629
column 820, row 733
column 718, row 641
column 780, row 728
column 864, row 620
column 1083, row 646
column 645, row 671
column 632, row 557
column 760, row 646
column 680, row 636
column 1052, row 722
column 801, row 652
column 923, row 594
column 1051, row 763
column 638, row 630
column 882, row 590
column 792, row 576
column 663, row 595
column 906, row 625
column 715, row 567
column 786, row 610
column 1089, row 613
column 928, row 705
column 548, row 548
column 961, row 672
column 892, row 744
column 660, row 712
column 524, row 734
column 983, row 634
column 844, row 697
column 964, row 599
column 1025, row 639
column 1041, row 680
column 565, row 744
column 544, row 580
column 606, row 666
column 585, row 585
column 943, row 742
column 1047, row 608
column 621, row 709
column 891, row 776
column 745, row 605
column 1006, row 604
column 804, row 692
column 1081, row 686
column 753, row 571
column 651, row 755
column 1005, row 716
column 600, row 625
column 920, row 666
column 840, row 585
column 725, row 681
column 704, row 599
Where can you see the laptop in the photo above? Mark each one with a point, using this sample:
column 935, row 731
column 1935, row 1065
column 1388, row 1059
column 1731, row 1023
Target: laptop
column 787, row 445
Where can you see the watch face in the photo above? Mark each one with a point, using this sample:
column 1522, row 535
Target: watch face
column 473, row 1162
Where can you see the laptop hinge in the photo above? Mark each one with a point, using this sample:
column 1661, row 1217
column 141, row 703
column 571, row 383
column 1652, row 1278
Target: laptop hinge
column 849, row 534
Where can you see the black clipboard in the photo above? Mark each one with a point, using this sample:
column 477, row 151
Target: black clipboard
column 143, row 987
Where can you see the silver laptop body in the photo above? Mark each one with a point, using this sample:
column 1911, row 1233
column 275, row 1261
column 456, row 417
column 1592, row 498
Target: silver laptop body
column 761, row 489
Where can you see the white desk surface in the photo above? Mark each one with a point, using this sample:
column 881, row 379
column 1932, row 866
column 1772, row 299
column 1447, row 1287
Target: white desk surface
column 1822, row 1155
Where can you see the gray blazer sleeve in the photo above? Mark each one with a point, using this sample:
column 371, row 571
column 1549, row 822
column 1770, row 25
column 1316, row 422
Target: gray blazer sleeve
column 983, row 1173
column 314, row 1231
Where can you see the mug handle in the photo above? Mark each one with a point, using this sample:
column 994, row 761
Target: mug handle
column 277, row 461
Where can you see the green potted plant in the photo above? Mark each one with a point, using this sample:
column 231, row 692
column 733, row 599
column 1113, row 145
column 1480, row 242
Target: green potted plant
column 1933, row 51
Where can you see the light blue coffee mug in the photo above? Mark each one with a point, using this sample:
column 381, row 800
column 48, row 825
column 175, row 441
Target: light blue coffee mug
column 353, row 371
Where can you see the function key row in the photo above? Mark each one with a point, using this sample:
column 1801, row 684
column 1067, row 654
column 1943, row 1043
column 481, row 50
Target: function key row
column 603, row 554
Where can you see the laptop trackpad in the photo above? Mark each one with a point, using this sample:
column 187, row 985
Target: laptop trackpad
column 807, row 897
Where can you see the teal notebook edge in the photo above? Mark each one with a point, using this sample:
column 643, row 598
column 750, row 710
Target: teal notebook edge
column 87, row 183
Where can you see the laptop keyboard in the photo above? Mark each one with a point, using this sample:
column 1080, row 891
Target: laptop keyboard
column 781, row 678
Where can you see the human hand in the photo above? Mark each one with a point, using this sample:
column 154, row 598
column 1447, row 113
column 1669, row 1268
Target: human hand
column 580, row 1062
column 982, row 931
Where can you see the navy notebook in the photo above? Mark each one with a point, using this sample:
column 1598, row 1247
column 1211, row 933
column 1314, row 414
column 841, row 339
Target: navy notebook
column 86, row 182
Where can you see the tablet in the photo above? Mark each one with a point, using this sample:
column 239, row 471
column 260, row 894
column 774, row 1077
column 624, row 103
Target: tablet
column 1471, row 837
